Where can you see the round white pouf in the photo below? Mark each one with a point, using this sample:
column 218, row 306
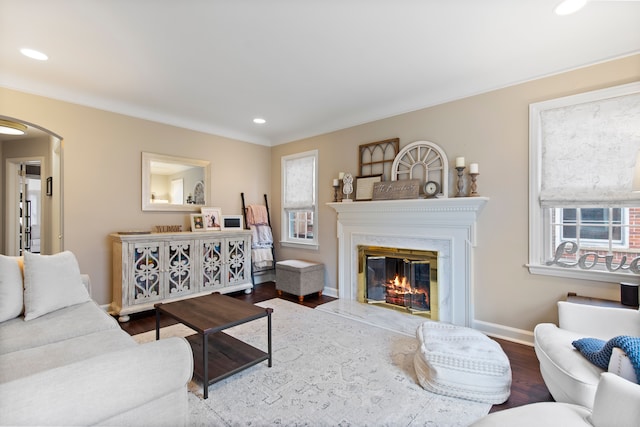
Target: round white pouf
column 461, row 362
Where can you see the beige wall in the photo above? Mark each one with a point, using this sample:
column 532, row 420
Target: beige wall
column 102, row 173
column 102, row 182
column 492, row 130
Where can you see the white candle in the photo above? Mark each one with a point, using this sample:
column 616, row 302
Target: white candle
column 473, row 168
column 341, row 175
column 336, row 182
column 459, row 162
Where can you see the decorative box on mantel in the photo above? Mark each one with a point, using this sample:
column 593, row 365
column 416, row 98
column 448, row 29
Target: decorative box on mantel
column 447, row 226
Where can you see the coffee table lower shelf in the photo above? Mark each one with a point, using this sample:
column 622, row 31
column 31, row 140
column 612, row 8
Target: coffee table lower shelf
column 227, row 356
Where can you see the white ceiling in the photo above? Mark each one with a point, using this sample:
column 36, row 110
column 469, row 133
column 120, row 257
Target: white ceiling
column 306, row 66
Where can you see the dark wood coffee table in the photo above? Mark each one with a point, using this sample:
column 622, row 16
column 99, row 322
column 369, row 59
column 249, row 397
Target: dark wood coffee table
column 217, row 355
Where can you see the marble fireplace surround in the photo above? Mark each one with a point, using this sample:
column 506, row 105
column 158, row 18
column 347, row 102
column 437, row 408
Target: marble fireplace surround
column 447, row 226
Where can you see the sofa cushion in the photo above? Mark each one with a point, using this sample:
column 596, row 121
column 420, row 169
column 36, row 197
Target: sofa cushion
column 620, row 365
column 617, row 402
column 538, row 414
column 568, row 375
column 69, row 322
column 598, row 322
column 34, row 360
column 556, row 344
column 51, row 282
column 11, row 287
column 93, row 390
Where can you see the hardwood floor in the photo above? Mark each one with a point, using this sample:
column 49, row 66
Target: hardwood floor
column 527, row 385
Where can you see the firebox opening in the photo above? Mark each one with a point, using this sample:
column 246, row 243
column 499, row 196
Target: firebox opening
column 402, row 279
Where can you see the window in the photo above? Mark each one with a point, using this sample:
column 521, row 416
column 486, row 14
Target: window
column 299, row 199
column 599, row 227
column 584, row 218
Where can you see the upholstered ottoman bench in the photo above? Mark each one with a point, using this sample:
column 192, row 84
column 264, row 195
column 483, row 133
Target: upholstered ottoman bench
column 461, row 362
column 299, row 277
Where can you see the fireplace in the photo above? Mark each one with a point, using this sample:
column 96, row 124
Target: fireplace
column 400, row 279
column 444, row 226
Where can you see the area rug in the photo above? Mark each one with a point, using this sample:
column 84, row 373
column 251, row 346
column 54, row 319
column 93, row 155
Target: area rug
column 327, row 370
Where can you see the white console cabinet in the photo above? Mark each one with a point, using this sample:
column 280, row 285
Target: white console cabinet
column 159, row 267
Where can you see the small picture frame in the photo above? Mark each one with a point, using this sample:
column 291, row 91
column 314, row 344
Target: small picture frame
column 364, row 186
column 197, row 222
column 232, row 222
column 212, row 217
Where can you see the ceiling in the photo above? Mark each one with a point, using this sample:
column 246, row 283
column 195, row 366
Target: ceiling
column 306, row 66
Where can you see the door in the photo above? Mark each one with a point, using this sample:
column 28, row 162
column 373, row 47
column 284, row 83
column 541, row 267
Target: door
column 24, row 205
column 236, row 256
column 211, row 264
column 146, row 277
column 179, row 256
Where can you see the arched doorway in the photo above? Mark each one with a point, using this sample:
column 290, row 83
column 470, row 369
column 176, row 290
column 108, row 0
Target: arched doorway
column 31, row 182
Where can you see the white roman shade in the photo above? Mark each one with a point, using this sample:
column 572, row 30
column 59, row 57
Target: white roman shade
column 588, row 153
column 299, row 182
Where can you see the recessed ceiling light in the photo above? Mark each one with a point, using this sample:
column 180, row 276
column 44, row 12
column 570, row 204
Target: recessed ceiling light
column 34, row 54
column 567, row 7
column 12, row 128
column 259, row 121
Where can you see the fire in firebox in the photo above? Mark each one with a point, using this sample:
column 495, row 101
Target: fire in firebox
column 400, row 292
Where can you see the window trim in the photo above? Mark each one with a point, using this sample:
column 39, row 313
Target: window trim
column 284, row 234
column 538, row 222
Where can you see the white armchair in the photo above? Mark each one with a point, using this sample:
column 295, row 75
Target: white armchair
column 569, row 376
column 617, row 404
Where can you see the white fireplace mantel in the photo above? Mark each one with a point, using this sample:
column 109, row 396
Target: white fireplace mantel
column 444, row 225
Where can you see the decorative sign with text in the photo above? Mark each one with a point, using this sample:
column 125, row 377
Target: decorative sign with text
column 168, row 228
column 587, row 261
column 393, row 190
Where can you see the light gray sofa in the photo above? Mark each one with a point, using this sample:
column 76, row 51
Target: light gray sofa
column 74, row 365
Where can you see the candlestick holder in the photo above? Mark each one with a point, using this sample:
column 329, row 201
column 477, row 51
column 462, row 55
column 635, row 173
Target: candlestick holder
column 474, row 185
column 335, row 192
column 460, row 170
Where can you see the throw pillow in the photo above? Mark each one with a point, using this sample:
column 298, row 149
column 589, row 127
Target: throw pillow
column 599, row 352
column 51, row 282
column 591, row 348
column 11, row 288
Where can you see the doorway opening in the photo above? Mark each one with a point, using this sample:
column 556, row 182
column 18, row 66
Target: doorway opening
column 31, row 191
column 24, row 205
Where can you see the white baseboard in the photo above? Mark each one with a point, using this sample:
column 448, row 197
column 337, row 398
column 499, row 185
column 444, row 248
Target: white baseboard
column 508, row 333
column 265, row 277
column 330, row 292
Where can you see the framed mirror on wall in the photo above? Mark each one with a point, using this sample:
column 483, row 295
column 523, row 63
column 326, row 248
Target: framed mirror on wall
column 171, row 183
